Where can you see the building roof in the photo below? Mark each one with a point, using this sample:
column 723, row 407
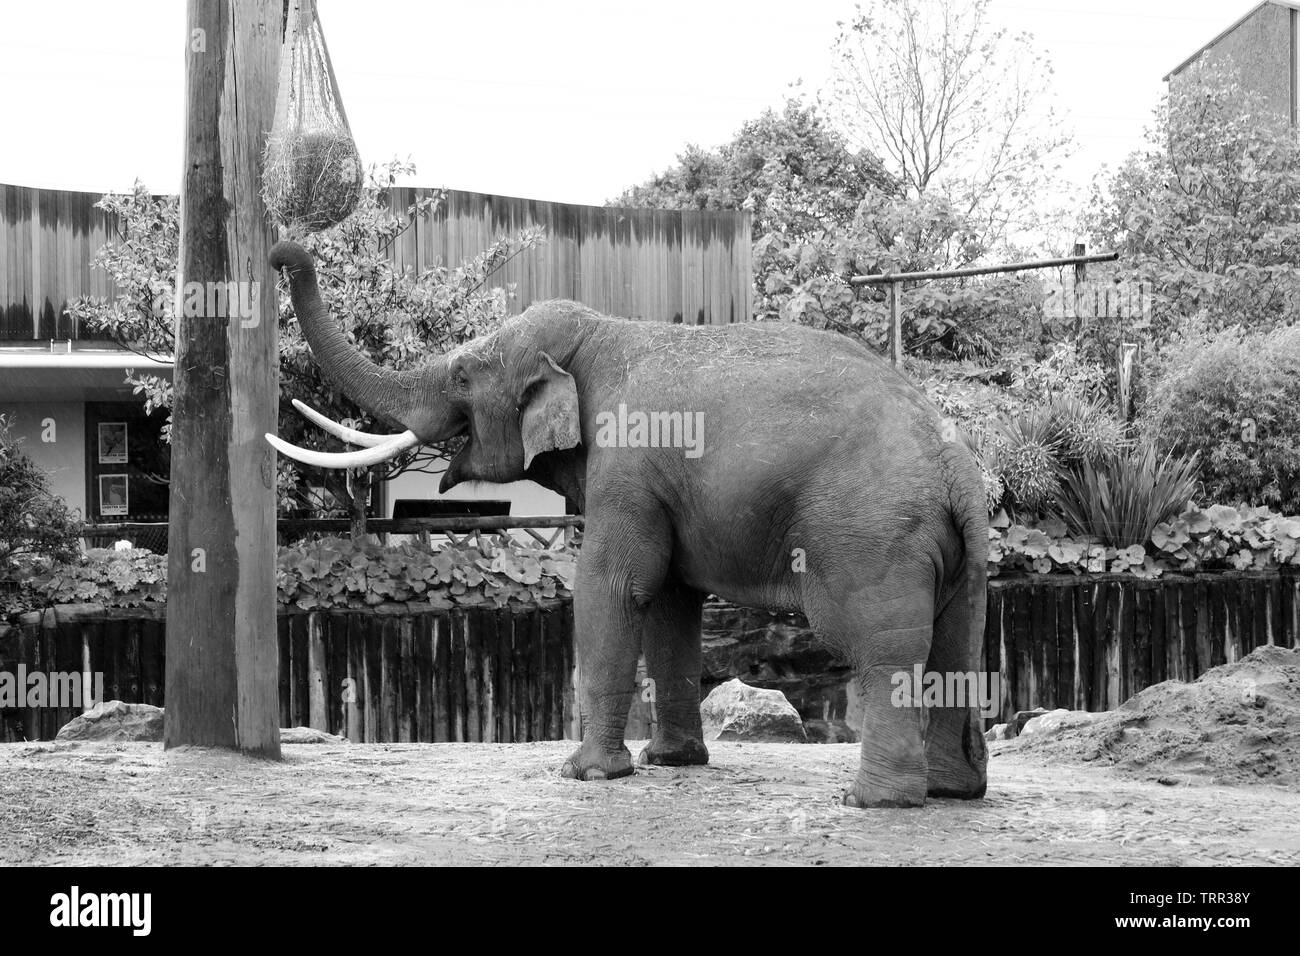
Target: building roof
column 1289, row 4
column 38, row 375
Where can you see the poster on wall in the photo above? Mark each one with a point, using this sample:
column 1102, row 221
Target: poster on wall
column 113, row 498
column 112, row 443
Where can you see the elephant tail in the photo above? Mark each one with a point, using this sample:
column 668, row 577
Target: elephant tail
column 975, row 536
column 970, row 518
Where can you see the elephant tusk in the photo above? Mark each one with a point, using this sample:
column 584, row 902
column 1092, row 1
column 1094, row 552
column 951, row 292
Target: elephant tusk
column 349, row 435
column 346, row 459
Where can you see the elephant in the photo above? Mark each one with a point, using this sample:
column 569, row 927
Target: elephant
column 768, row 463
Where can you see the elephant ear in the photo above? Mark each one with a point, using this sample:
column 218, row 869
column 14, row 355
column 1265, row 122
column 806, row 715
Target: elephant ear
column 550, row 411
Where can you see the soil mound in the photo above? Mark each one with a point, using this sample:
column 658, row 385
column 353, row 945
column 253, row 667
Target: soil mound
column 1237, row 723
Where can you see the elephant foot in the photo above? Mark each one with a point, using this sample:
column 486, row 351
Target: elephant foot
column 958, row 771
column 973, row 792
column 690, row 752
column 863, row 796
column 958, row 781
column 590, row 764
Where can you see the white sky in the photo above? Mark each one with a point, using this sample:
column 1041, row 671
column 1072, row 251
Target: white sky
column 567, row 100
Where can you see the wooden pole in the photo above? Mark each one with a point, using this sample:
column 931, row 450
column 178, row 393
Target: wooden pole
column 895, row 326
column 222, row 658
column 889, row 277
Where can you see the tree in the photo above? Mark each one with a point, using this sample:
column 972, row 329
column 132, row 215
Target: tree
column 396, row 316
column 824, row 212
column 1207, row 216
column 955, row 107
column 791, row 168
column 34, row 523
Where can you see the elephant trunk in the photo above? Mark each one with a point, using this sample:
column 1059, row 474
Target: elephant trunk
column 381, row 391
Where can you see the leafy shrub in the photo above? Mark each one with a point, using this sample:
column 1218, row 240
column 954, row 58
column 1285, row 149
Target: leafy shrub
column 104, row 576
column 339, row 572
column 1215, row 538
column 336, row 572
column 1120, row 497
column 1029, row 421
column 1232, row 401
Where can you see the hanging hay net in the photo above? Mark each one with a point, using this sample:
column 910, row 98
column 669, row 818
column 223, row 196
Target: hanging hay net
column 311, row 171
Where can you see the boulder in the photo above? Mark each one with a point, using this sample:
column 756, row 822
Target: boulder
column 115, row 722
column 736, row 711
column 998, row 732
column 1021, row 717
column 309, row 735
column 1056, row 720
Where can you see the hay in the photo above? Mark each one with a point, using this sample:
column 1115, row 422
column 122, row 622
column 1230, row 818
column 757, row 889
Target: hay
column 312, row 181
column 311, row 170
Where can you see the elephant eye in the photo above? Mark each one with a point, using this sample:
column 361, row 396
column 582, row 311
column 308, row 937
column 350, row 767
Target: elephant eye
column 462, row 380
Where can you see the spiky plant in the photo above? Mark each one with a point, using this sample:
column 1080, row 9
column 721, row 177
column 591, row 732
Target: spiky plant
column 1123, row 496
column 1087, row 428
column 1024, row 453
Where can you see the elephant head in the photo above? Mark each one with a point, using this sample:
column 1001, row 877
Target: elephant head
column 505, row 393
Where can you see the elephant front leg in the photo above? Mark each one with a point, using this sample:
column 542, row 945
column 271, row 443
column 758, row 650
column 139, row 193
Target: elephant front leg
column 671, row 642
column 607, row 640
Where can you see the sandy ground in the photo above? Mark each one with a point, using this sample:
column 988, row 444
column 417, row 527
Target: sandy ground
column 132, row 804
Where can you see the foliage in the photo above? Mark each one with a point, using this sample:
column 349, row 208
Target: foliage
column 105, row 576
column 806, row 279
column 337, row 572
column 791, row 168
column 1197, row 539
column 1029, row 422
column 395, row 315
column 1208, row 215
column 35, row 524
column 957, row 107
column 1122, row 494
column 1024, row 452
column 1232, row 400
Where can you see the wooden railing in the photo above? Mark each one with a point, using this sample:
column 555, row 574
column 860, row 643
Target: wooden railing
column 456, row 528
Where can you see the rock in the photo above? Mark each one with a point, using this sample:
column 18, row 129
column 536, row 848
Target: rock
column 1057, row 720
column 773, row 651
column 309, row 735
column 116, row 722
column 1016, row 724
column 997, row 732
column 736, row 711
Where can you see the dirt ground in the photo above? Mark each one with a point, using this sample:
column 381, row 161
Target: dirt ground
column 132, row 804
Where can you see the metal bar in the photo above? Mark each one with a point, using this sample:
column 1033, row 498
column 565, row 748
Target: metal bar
column 890, row 278
column 458, row 523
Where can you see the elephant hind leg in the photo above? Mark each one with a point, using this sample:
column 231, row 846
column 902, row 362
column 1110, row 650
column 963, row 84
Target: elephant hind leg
column 885, row 629
column 954, row 739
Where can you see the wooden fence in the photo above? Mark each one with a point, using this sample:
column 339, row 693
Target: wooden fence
column 466, row 674
column 687, row 266
column 482, row 674
column 1091, row 643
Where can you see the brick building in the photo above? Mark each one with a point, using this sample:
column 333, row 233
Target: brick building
column 1263, row 45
